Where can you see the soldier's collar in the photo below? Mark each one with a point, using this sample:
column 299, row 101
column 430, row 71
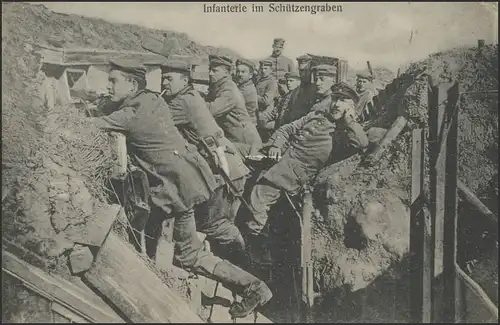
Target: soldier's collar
column 181, row 92
column 267, row 77
column 246, row 83
column 129, row 101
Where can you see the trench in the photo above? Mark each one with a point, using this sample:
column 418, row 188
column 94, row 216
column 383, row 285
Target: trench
column 386, row 298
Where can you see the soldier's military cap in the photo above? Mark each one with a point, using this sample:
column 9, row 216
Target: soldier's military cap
column 266, row 63
column 246, row 62
column 364, row 75
column 325, row 70
column 344, row 90
column 279, row 41
column 292, row 75
column 129, row 66
column 217, row 60
column 174, row 65
column 304, row 58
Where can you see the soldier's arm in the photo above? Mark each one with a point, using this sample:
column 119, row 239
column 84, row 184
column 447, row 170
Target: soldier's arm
column 250, row 102
column 267, row 99
column 116, row 121
column 203, row 122
column 222, row 104
column 282, row 135
column 356, row 136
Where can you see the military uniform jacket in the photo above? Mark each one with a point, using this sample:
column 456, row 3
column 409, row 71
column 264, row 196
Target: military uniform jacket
column 194, row 121
column 179, row 177
column 281, row 65
column 300, row 102
column 249, row 93
column 311, row 139
column 227, row 106
column 365, row 103
column 267, row 92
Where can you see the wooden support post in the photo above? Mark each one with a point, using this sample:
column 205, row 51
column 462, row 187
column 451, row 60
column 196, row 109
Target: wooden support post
column 437, row 97
column 480, row 45
column 421, row 244
column 450, row 288
column 307, row 268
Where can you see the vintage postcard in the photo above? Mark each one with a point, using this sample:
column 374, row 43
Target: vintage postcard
column 249, row 162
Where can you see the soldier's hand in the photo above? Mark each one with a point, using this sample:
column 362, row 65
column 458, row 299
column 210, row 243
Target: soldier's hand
column 344, row 107
column 274, row 153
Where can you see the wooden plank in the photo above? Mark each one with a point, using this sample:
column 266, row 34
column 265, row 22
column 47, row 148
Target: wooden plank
column 80, row 300
column 387, row 140
column 55, row 56
column 118, row 143
column 121, row 275
column 421, row 244
column 437, row 96
column 467, row 195
column 451, row 293
column 62, row 313
column 103, row 57
column 478, row 295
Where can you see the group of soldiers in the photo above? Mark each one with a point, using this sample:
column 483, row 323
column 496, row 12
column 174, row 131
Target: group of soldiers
column 197, row 150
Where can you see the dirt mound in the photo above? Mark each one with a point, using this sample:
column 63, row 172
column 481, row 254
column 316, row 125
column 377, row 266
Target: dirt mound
column 37, row 24
column 478, row 119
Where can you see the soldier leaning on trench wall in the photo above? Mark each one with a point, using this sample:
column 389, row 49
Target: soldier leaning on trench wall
column 180, row 179
column 310, row 145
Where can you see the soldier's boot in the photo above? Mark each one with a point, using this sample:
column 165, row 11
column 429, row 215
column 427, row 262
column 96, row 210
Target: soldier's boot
column 254, row 292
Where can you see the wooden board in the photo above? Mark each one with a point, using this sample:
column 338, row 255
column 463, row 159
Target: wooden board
column 77, row 298
column 122, row 276
column 421, row 244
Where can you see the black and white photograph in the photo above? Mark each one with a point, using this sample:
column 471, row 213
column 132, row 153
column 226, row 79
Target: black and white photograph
column 249, row 162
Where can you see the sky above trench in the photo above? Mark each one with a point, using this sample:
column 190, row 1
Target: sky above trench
column 386, row 34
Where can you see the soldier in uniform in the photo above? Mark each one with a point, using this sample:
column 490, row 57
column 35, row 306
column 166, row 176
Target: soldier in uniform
column 276, row 116
column 244, row 80
column 226, row 103
column 179, row 178
column 267, row 93
column 194, row 121
column 310, row 146
column 366, row 92
column 281, row 65
column 301, row 97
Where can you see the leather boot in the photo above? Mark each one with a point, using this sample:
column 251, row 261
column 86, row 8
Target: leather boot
column 254, row 292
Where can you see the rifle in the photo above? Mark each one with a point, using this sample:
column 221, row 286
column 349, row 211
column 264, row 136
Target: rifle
column 224, row 175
